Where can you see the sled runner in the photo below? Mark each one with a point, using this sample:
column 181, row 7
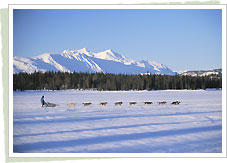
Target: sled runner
column 48, row 104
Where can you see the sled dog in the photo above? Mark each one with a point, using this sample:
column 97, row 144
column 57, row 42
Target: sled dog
column 162, row 103
column 87, row 104
column 71, row 104
column 147, row 103
column 118, row 103
column 132, row 103
column 103, row 104
column 176, row 103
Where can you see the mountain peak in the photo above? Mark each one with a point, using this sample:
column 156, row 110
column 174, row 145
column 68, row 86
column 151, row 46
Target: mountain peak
column 83, row 50
column 83, row 60
column 109, row 50
column 66, row 51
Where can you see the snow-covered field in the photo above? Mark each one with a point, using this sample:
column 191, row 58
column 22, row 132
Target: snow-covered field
column 194, row 126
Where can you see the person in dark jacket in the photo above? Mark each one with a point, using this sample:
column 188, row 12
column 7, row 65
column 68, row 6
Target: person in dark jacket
column 42, row 101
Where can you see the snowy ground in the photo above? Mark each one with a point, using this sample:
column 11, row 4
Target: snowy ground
column 194, row 126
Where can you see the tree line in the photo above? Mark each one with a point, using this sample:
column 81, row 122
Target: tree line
column 100, row 81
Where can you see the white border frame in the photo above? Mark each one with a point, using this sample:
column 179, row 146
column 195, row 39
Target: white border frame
column 117, row 155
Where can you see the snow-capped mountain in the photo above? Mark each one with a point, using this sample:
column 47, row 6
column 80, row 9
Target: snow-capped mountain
column 215, row 72
column 85, row 61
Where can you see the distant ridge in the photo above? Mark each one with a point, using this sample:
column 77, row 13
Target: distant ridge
column 214, row 72
column 84, row 60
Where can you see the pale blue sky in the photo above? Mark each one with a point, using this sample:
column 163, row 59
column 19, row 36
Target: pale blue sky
column 180, row 39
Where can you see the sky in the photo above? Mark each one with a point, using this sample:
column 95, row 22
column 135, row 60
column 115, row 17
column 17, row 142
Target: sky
column 181, row 39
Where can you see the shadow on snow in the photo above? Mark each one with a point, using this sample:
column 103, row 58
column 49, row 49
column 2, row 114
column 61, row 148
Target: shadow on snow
column 26, row 147
column 79, row 119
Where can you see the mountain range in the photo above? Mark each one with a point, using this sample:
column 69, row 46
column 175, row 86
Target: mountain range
column 214, row 72
column 84, row 60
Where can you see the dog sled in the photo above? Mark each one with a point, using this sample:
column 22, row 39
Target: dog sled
column 48, row 104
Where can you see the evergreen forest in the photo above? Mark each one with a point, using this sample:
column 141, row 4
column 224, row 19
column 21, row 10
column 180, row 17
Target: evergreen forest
column 104, row 81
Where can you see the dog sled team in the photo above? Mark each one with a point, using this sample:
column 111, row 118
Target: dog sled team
column 132, row 103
